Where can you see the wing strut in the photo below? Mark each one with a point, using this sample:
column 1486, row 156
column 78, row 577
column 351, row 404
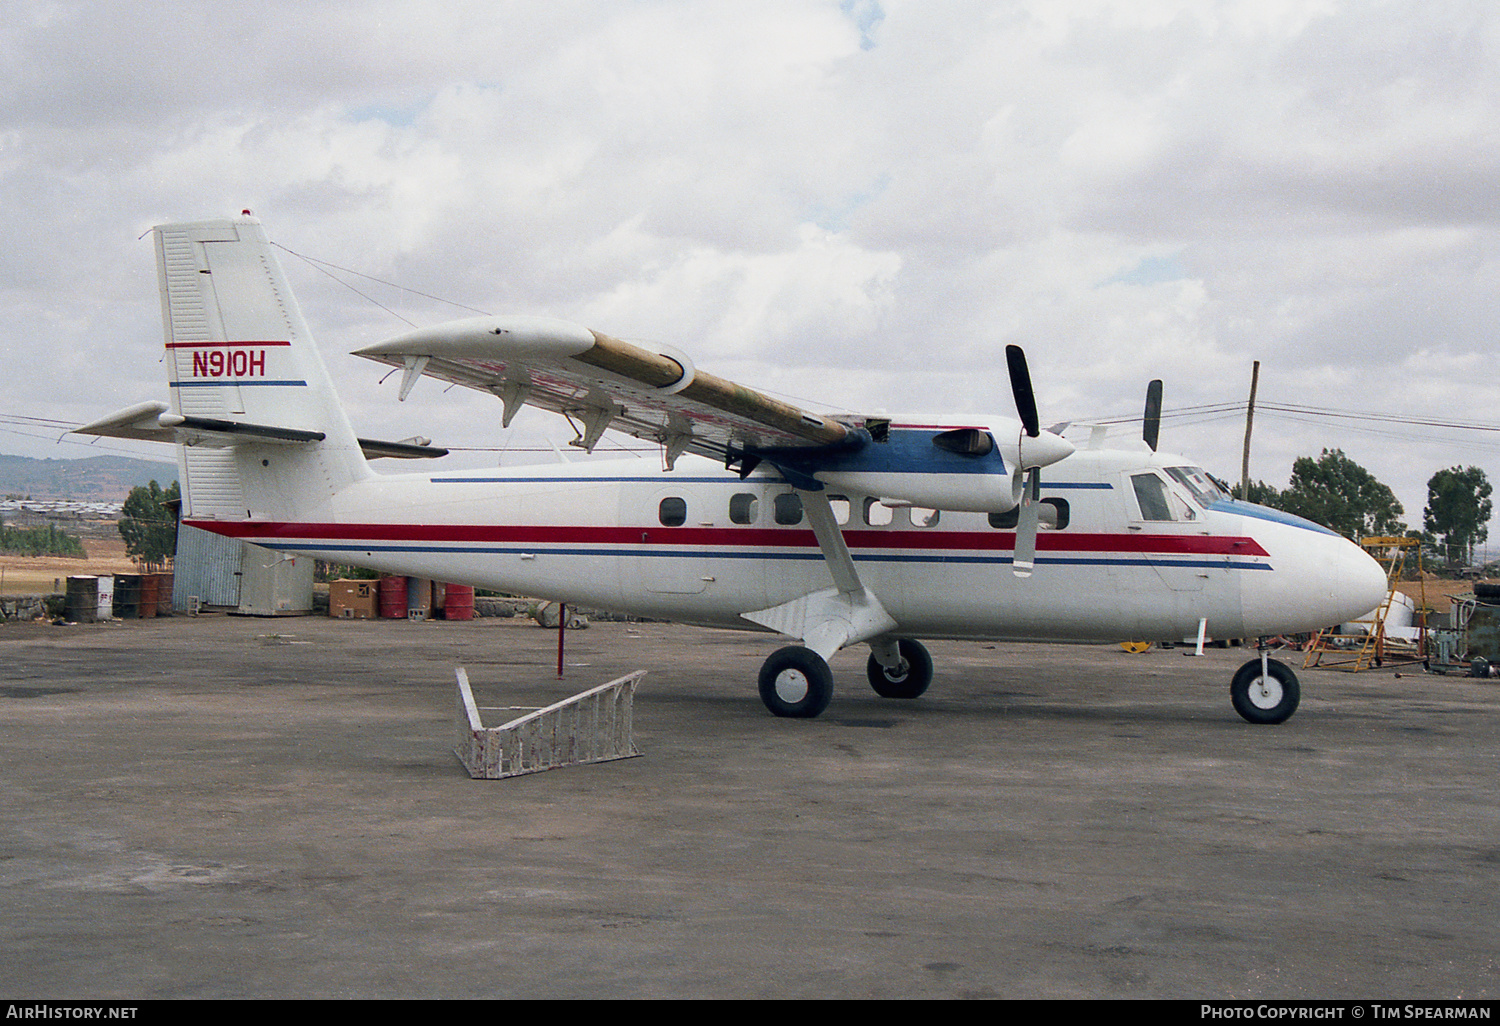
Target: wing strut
column 833, row 618
column 831, row 540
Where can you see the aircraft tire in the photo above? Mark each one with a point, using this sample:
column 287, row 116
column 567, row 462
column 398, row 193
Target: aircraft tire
column 796, row 682
column 1269, row 701
column 912, row 681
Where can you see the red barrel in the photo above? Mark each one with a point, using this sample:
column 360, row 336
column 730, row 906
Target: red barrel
column 164, row 595
column 150, row 584
column 393, row 598
column 458, row 602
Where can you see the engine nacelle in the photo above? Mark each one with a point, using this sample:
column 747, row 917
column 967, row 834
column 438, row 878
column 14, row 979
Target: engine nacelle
column 972, row 468
column 969, row 493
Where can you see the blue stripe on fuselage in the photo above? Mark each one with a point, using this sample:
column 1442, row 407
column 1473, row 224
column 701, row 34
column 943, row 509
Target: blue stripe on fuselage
column 1275, row 516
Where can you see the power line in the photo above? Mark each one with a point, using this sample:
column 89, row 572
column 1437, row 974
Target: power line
column 1296, row 410
column 1388, row 418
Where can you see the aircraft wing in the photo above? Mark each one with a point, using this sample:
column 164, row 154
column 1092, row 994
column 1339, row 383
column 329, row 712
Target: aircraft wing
column 600, row 382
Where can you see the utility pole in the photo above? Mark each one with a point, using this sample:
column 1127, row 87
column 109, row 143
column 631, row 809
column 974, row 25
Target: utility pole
column 1249, row 422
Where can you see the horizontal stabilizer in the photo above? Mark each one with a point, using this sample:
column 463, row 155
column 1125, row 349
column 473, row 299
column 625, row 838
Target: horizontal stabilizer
column 375, row 450
column 143, row 420
column 154, row 422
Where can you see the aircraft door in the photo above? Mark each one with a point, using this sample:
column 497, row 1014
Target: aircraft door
column 670, row 558
column 1165, row 525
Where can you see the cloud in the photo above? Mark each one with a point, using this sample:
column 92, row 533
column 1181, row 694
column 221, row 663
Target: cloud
column 878, row 194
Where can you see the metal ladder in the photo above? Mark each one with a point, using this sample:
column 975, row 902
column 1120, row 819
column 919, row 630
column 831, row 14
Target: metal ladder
column 1332, row 649
column 593, row 726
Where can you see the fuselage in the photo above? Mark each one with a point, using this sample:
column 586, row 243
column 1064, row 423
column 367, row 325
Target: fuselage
column 1133, row 545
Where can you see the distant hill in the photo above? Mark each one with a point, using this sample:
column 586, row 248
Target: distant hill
column 97, row 478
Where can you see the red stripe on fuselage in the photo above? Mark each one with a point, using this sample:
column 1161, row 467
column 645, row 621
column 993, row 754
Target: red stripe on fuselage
column 206, row 345
column 755, row 537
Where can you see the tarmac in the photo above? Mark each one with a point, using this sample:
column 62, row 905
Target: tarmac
column 228, row 807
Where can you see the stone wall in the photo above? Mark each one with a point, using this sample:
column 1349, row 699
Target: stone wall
column 26, row 607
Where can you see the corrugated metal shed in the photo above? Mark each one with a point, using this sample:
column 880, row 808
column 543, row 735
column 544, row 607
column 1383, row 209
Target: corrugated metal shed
column 207, row 567
column 228, row 574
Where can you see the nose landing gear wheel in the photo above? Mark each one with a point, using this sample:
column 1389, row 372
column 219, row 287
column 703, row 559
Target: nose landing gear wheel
column 796, row 682
column 1271, row 698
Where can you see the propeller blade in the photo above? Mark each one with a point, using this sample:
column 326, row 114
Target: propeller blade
column 1151, row 428
column 1026, row 525
column 1020, row 386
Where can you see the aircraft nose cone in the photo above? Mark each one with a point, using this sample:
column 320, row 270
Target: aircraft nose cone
column 1361, row 579
column 1318, row 580
column 1351, row 583
column 1044, row 450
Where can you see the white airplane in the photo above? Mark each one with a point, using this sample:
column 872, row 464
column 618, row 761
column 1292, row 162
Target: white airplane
column 830, row 531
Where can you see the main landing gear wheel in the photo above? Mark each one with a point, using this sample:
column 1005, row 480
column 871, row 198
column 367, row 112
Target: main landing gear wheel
column 909, row 679
column 796, row 682
column 1271, row 698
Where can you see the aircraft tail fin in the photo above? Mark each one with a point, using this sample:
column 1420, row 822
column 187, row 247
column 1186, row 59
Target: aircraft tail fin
column 263, row 433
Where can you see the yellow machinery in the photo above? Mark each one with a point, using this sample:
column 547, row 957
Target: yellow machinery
column 1363, row 643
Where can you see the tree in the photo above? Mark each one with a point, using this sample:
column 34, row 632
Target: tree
column 148, row 524
column 46, row 540
column 1341, row 495
column 1458, row 509
column 1261, row 494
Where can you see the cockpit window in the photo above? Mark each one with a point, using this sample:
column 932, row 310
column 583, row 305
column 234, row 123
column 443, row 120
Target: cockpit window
column 1151, row 496
column 1159, row 500
column 1199, row 485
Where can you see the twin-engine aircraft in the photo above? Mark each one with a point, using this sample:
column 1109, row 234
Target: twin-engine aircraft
column 832, row 531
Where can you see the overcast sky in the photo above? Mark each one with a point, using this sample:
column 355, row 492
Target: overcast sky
column 854, row 203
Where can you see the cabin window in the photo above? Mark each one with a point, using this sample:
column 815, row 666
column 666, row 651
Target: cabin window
column 877, row 514
column 672, row 512
column 744, row 507
column 923, row 517
column 841, row 507
column 1151, row 496
column 1054, row 515
column 787, row 508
